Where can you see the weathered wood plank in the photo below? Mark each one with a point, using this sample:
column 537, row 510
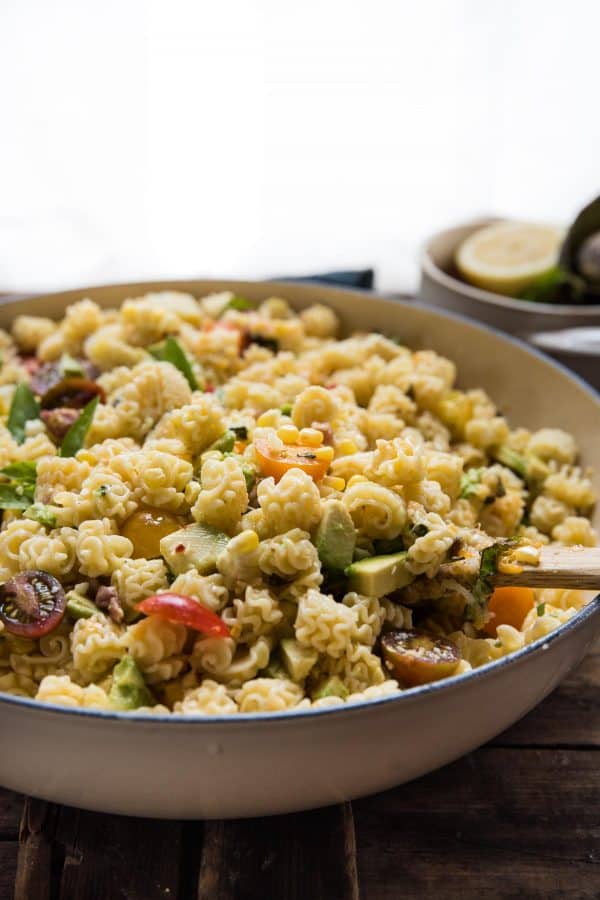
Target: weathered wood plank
column 108, row 857
column 36, row 850
column 308, row 855
column 570, row 717
column 11, row 805
column 498, row 823
column 8, row 868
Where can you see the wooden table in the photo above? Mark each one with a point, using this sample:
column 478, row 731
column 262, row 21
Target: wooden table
column 517, row 818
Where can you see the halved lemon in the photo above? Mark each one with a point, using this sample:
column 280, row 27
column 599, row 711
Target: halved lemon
column 508, row 256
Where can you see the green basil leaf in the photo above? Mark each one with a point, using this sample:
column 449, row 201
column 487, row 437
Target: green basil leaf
column 483, row 587
column 16, row 496
column 24, row 407
column 172, row 352
column 74, row 439
column 41, row 513
column 25, row 471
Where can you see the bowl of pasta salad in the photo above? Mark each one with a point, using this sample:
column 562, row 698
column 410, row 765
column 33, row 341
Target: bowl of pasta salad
column 249, row 527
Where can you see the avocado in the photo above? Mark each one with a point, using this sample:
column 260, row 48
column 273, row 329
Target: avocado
column 225, row 443
column 79, row 607
column 331, row 687
column 129, row 689
column 195, row 546
column 379, row 575
column 335, row 538
column 273, row 669
column 298, row 660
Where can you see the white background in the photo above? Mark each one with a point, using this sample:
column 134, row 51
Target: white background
column 260, row 137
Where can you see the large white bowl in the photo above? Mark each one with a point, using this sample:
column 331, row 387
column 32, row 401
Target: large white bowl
column 251, row 765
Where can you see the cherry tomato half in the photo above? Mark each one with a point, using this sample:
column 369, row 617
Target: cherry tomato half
column 418, row 657
column 32, row 604
column 509, row 606
column 292, row 456
column 73, row 392
column 187, row 611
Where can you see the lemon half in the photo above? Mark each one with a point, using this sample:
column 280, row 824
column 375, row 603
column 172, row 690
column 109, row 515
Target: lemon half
column 508, row 256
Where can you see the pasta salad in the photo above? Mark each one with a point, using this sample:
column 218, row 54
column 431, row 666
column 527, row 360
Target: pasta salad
column 212, row 507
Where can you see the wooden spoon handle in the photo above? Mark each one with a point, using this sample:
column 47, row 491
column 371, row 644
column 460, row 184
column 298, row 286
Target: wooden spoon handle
column 559, row 567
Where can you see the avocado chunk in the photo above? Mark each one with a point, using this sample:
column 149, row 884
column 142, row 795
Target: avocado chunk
column 331, row 687
column 273, row 669
column 298, row 660
column 129, row 689
column 335, row 538
column 79, row 607
column 224, row 444
column 379, row 575
column 195, row 546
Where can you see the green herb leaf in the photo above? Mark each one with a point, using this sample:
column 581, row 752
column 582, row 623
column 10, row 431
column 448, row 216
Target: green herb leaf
column 25, row 471
column 483, row 587
column 541, row 609
column 41, row 513
column 286, row 409
column 19, row 492
column 172, row 352
column 470, row 482
column 16, row 495
column 74, row 439
column 23, row 408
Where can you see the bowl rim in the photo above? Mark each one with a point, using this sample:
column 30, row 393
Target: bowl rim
column 404, row 696
column 430, row 268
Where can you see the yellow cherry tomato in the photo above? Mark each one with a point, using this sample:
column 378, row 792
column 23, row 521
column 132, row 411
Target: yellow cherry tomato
column 145, row 528
column 292, row 456
column 509, row 606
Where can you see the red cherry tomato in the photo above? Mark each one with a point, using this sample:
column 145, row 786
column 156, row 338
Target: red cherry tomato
column 187, row 611
column 32, row 604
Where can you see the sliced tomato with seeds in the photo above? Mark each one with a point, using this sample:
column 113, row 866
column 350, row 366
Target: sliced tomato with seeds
column 185, row 610
column 291, row 456
column 32, row 604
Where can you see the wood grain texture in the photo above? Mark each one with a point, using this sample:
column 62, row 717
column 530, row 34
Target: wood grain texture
column 308, row 855
column 8, row 868
column 498, row 823
column 559, row 567
column 11, row 805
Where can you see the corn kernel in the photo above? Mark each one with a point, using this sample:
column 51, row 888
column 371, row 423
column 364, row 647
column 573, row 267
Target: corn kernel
column 289, row 434
column 333, row 482
column 311, row 437
column 249, row 543
column 346, row 447
column 270, row 418
column 324, row 453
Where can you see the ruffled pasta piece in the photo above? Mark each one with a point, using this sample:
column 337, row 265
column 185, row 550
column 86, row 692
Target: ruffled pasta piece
column 319, row 321
column 195, row 426
column 154, row 389
column 96, row 645
column 370, row 616
column 210, row 590
column 30, row 331
column 254, row 616
column 397, row 462
column 322, row 623
column 315, row 404
column 553, row 444
column 287, row 555
column 162, row 480
column 268, row 695
column 60, row 690
column 293, row 502
column 135, row 579
column 54, row 552
column 99, row 550
column 224, row 496
column 209, row 699
column 156, row 645
column 376, row 511
column 428, row 552
column 575, row 530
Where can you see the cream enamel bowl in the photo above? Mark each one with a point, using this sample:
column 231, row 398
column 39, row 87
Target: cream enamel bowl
column 255, row 765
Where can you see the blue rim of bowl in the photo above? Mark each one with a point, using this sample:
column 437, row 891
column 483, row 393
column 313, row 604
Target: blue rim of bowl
column 408, row 695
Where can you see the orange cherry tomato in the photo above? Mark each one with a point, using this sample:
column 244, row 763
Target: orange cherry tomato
column 146, row 527
column 187, row 611
column 509, row 606
column 292, row 456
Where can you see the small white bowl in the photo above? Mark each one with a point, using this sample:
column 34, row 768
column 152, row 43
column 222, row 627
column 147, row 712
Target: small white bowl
column 442, row 286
